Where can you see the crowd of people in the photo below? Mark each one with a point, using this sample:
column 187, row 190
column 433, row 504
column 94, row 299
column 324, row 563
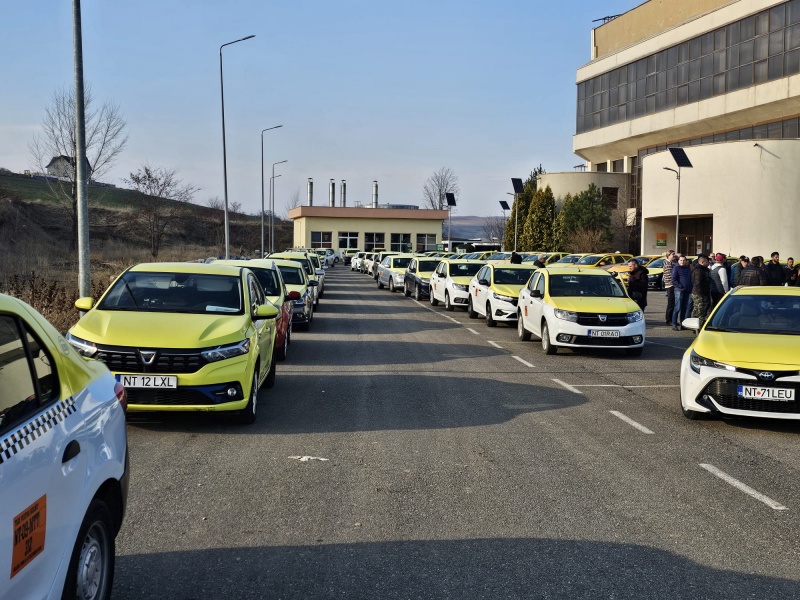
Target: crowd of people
column 693, row 289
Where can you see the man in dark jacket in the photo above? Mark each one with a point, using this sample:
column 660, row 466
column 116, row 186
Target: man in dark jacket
column 701, row 289
column 682, row 282
column 754, row 273
column 776, row 274
column 539, row 262
column 737, row 268
column 516, row 259
column 637, row 283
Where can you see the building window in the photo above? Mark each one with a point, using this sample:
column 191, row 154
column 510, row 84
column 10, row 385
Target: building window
column 401, row 242
column 373, row 241
column 321, row 239
column 610, row 197
column 426, row 242
column 348, row 239
column 601, row 167
column 618, row 166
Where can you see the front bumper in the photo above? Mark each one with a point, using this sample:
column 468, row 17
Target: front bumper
column 716, row 391
column 503, row 310
column 574, row 335
column 458, row 297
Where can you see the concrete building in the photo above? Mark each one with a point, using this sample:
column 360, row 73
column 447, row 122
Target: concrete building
column 720, row 78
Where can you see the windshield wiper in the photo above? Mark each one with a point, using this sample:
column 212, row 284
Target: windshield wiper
column 713, row 328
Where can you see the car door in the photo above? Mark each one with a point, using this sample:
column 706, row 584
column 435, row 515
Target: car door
column 43, row 461
column 438, row 280
column 263, row 327
column 536, row 305
column 480, row 290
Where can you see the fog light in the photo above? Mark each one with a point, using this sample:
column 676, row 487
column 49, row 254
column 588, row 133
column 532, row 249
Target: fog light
column 637, row 339
column 705, row 397
column 231, row 391
column 564, row 337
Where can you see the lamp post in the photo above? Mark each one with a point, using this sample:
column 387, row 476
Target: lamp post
column 504, row 207
column 224, row 153
column 262, row 185
column 272, row 206
column 515, row 219
column 681, row 160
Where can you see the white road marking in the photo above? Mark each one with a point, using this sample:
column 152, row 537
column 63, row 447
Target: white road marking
column 524, row 362
column 631, row 422
column 496, row 345
column 308, row 458
column 472, row 331
column 567, row 386
column 742, row 487
column 454, row 320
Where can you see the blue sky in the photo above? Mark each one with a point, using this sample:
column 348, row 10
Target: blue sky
column 387, row 91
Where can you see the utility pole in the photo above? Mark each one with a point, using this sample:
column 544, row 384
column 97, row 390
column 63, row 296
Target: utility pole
column 81, row 172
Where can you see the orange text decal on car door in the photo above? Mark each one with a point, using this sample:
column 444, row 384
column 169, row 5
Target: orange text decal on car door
column 29, row 529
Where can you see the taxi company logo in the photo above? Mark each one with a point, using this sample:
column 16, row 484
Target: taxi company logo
column 147, row 356
column 602, row 318
column 766, row 376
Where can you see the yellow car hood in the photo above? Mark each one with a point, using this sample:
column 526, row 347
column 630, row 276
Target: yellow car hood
column 750, row 350
column 512, row 291
column 462, row 280
column 160, row 330
column 594, row 305
column 296, row 287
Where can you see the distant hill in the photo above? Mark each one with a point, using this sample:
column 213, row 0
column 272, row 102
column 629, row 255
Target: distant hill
column 466, row 227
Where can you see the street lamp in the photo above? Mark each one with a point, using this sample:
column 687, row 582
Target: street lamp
column 681, row 160
column 272, row 206
column 504, row 207
column 224, row 153
column 262, row 185
column 518, row 189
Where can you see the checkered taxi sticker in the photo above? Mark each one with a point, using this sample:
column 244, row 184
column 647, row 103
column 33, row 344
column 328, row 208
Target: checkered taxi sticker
column 23, row 436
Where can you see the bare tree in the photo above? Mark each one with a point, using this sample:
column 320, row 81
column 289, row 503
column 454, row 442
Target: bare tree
column 162, row 201
column 588, row 239
column 494, row 228
column 215, row 203
column 437, row 185
column 105, row 139
column 292, row 202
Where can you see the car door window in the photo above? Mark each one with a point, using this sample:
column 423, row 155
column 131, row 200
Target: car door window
column 540, row 284
column 256, row 293
column 534, row 281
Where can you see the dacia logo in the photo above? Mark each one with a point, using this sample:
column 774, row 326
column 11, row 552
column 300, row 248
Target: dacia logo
column 147, row 356
column 766, row 376
column 602, row 318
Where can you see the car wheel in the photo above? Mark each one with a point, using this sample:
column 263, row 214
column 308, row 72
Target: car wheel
column 447, row 304
column 417, row 295
column 406, row 290
column 547, row 347
column 633, row 351
column 284, row 349
column 269, row 382
column 434, row 301
column 490, row 322
column 247, row 415
column 391, row 285
column 380, row 283
column 91, row 566
column 289, row 334
column 522, row 333
column 471, row 312
column 310, row 316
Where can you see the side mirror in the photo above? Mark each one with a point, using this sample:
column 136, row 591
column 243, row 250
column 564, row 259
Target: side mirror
column 320, row 271
column 313, row 283
column 84, row 304
column 536, row 294
column 691, row 323
column 266, row 311
column 293, row 295
column 483, row 282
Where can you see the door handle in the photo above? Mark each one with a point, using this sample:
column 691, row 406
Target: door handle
column 71, row 451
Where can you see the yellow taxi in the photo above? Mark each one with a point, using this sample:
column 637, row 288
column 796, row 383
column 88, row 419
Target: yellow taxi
column 622, row 270
column 597, row 260
column 745, row 361
column 494, row 291
column 568, row 259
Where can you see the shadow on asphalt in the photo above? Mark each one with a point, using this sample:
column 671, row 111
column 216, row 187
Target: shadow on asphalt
column 468, row 570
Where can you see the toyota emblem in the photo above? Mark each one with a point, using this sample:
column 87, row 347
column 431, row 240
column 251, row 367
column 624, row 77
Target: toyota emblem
column 766, row 376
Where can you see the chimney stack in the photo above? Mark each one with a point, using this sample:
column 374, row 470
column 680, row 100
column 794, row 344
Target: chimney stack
column 332, row 194
column 343, row 194
column 310, row 192
column 374, row 194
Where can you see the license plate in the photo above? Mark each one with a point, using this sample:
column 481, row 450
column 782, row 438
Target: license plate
column 148, row 381
column 755, row 392
column 603, row 333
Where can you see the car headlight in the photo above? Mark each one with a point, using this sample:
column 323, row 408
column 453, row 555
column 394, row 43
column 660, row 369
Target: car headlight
column 460, row 287
column 83, row 347
column 566, row 315
column 652, row 277
column 635, row 317
column 508, row 299
column 696, row 361
column 224, row 352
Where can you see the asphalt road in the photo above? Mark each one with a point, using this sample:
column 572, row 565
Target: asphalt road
column 460, row 463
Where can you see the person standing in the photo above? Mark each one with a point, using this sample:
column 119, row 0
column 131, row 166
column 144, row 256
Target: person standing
column 736, row 270
column 776, row 274
column 666, row 282
column 682, row 282
column 539, row 262
column 637, row 283
column 791, row 272
column 719, row 279
column 754, row 273
column 516, row 259
column 701, row 289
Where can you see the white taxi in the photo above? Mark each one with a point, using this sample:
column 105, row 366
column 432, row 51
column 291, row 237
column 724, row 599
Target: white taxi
column 573, row 307
column 449, row 283
column 494, row 292
column 63, row 463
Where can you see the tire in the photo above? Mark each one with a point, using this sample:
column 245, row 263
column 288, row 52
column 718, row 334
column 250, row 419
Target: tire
column 490, row 322
column 269, row 382
column 380, row 284
column 633, row 351
column 523, row 334
column 448, row 306
column 247, row 416
column 471, row 313
column 391, row 285
column 406, row 290
column 417, row 293
column 434, row 301
column 547, row 347
column 91, row 566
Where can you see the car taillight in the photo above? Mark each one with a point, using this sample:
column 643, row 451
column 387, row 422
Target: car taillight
column 122, row 395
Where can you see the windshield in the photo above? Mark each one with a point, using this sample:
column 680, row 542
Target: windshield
column 464, row 269
column 426, row 266
column 569, row 258
column 758, row 314
column 174, row 292
column 291, row 275
column 512, row 276
column 589, row 260
column 401, row 263
column 268, row 280
column 499, row 256
column 585, row 285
